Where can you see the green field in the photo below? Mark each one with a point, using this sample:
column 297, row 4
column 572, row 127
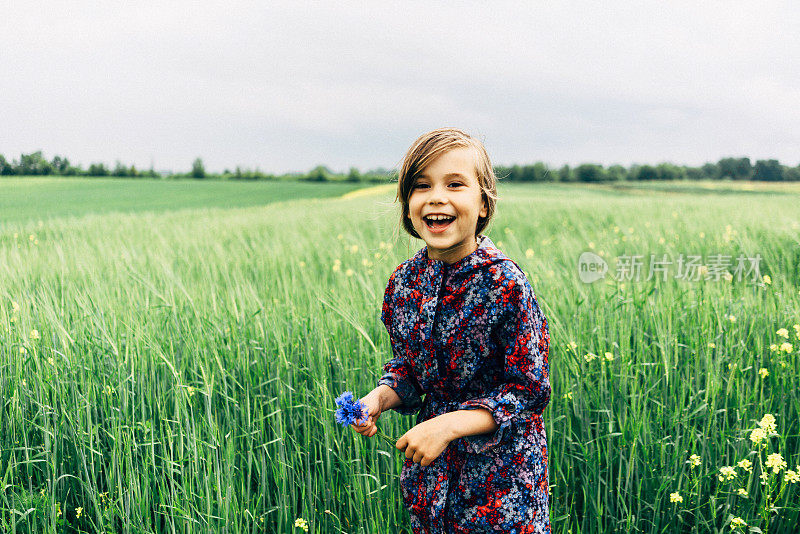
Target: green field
column 186, row 355
column 35, row 198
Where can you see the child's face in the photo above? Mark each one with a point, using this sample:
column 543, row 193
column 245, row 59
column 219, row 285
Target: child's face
column 448, row 186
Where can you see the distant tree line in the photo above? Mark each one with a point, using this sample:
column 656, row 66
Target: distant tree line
column 769, row 170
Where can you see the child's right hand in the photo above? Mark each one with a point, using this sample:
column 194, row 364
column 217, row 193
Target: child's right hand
column 373, row 403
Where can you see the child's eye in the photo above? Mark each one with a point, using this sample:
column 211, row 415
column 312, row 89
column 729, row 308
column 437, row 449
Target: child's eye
column 416, row 186
column 456, row 184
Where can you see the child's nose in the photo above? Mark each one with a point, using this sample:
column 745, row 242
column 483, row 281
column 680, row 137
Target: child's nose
column 438, row 195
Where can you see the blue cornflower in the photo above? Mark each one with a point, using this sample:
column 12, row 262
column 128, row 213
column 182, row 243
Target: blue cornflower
column 350, row 410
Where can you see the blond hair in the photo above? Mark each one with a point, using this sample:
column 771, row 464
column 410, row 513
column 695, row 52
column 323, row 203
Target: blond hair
column 430, row 146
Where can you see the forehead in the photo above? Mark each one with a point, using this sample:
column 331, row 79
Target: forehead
column 459, row 162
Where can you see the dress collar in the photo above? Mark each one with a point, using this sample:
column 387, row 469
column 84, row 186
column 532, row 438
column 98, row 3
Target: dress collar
column 486, row 254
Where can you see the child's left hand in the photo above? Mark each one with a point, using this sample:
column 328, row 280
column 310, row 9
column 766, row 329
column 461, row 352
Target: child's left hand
column 425, row 442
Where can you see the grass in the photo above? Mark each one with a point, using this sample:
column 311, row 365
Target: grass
column 187, row 362
column 36, row 198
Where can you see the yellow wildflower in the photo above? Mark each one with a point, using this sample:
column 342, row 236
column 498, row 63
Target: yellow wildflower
column 15, row 307
column 58, row 509
column 573, row 345
column 694, row 460
column 773, row 347
column 340, row 237
column 508, row 231
column 783, row 333
column 712, row 345
column 786, row 347
column 590, row 356
column 675, row 497
column 767, row 423
column 731, row 318
column 377, row 255
column 365, row 262
column 609, row 357
column 529, row 253
column 35, row 334
column 764, row 477
column 775, row 462
column 302, row 263
column 301, row 523
column 349, row 272
column 727, row 276
column 763, row 372
column 792, row 476
column 354, row 249
column 51, row 361
column 568, row 395
column 737, row 522
column 337, row 265
column 745, row 464
column 757, row 436
column 766, row 279
column 742, row 492
column 727, row 473
column 22, row 350
column 190, row 391
column 78, row 511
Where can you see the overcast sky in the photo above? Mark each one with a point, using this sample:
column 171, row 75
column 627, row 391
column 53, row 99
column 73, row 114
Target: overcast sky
column 285, row 86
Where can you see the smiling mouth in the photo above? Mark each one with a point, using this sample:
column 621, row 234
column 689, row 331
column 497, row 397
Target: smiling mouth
column 440, row 225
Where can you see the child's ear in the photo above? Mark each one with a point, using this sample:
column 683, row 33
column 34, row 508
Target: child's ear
column 484, row 210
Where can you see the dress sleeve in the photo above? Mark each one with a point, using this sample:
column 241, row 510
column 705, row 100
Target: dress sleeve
column 397, row 372
column 525, row 389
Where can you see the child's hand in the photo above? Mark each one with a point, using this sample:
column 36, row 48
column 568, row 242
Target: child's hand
column 425, row 442
column 373, row 403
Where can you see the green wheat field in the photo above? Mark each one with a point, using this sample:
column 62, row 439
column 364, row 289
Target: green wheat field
column 170, row 353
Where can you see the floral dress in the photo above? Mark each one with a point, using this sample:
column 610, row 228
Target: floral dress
column 471, row 335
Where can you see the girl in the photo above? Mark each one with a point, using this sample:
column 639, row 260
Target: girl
column 467, row 333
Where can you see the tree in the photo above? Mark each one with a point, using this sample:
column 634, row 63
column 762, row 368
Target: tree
column 668, row 171
column 694, row 173
column 769, row 170
column 198, row 170
column 792, row 174
column 6, row 168
column 617, row 172
column 589, row 172
column 34, row 165
column 565, row 174
column 60, row 165
column 97, row 169
column 711, row 171
column 353, row 175
column 120, row 170
column 735, row 168
column 646, row 172
column 320, row 173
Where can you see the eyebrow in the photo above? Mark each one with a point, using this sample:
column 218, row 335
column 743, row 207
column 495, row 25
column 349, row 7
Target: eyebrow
column 448, row 175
